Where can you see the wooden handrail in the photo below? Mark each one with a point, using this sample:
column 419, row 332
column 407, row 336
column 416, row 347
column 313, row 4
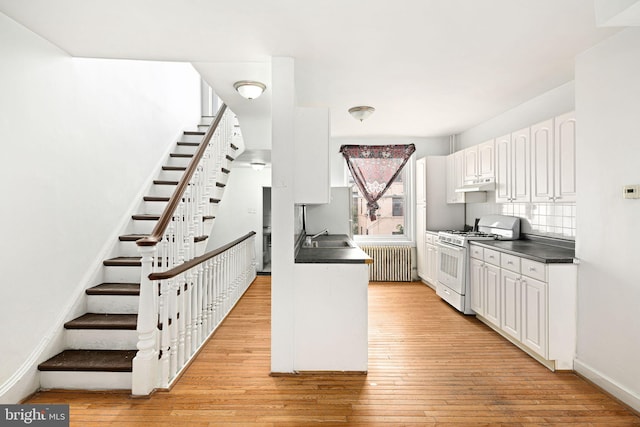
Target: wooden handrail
column 164, row 275
column 162, row 224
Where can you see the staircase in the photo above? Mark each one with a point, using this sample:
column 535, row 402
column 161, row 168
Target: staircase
column 101, row 344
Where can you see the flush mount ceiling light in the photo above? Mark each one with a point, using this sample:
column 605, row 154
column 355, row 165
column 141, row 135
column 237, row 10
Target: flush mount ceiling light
column 257, row 166
column 249, row 89
column 361, row 112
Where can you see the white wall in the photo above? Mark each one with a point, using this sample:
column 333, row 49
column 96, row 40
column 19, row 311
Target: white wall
column 549, row 104
column 79, row 139
column 240, row 209
column 608, row 234
column 282, row 216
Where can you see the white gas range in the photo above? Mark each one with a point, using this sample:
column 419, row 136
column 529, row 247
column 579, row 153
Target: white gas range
column 453, row 260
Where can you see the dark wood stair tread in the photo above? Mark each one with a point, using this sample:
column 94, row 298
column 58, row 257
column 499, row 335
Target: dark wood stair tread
column 146, row 217
column 91, row 361
column 224, row 170
column 164, row 182
column 212, row 200
column 174, row 168
column 155, row 198
column 194, row 132
column 136, row 237
column 103, row 321
column 233, row 146
column 231, row 159
column 115, row 289
column 189, row 144
column 123, row 261
column 181, row 155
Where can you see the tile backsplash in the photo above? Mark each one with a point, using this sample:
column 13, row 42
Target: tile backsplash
column 543, row 219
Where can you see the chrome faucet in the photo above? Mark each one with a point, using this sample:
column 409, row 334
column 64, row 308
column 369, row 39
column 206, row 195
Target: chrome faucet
column 325, row 231
column 308, row 241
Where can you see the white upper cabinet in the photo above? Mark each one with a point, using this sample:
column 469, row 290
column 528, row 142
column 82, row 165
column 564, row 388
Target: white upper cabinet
column 565, row 158
column 479, row 162
column 542, row 161
column 486, row 160
column 455, row 177
column 553, row 160
column 512, row 167
column 470, row 163
column 311, row 170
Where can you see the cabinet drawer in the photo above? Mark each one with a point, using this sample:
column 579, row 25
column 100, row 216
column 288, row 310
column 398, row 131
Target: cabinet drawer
column 510, row 262
column 476, row 252
column 534, row 269
column 431, row 238
column 492, row 257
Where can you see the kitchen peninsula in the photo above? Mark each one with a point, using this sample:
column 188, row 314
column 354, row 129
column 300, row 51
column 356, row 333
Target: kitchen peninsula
column 331, row 327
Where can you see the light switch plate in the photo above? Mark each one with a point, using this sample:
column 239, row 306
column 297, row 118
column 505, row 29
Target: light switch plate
column 631, row 192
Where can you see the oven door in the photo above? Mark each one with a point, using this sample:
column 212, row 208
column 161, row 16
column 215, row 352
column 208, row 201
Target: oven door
column 451, row 262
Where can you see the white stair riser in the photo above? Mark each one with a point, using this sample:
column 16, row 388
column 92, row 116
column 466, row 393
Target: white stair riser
column 177, row 161
column 170, row 175
column 191, row 138
column 101, row 339
column 141, row 226
column 128, row 248
column 185, row 149
column 162, row 190
column 112, row 304
column 154, row 207
column 121, row 274
column 218, row 192
column 72, row 380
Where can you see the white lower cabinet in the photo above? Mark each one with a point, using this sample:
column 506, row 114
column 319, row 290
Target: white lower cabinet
column 485, row 284
column 531, row 303
column 427, row 268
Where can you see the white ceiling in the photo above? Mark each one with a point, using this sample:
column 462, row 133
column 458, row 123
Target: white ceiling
column 429, row 67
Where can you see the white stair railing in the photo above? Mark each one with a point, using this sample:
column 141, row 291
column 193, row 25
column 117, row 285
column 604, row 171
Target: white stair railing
column 172, row 320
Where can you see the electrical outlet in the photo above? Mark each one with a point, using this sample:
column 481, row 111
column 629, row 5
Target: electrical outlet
column 631, row 192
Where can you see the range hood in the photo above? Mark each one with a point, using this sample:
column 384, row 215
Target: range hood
column 485, row 184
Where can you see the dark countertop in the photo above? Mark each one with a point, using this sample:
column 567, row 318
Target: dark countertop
column 532, row 249
column 341, row 255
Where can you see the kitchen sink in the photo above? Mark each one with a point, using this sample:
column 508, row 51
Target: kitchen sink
column 331, row 244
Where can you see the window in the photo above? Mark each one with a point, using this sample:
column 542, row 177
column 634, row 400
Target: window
column 392, row 221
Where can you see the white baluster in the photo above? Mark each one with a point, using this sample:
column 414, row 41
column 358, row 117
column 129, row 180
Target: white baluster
column 188, row 295
column 173, row 326
column 182, row 286
column 165, row 338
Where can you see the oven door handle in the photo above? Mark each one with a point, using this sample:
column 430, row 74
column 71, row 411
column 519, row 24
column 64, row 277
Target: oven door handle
column 450, row 247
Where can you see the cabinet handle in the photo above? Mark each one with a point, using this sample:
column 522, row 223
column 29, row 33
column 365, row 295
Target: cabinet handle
column 532, row 269
column 510, row 262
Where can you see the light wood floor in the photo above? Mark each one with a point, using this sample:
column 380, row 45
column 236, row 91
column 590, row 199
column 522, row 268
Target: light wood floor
column 428, row 365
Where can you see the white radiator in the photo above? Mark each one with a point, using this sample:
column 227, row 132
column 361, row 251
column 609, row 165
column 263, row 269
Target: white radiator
column 390, row 263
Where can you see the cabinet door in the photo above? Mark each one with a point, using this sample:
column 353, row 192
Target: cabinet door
column 510, row 312
column 432, row 259
column 542, row 164
column 520, row 172
column 421, row 181
column 470, row 171
column 534, row 315
column 312, row 183
column 492, row 294
column 503, row 169
column 565, row 158
column 421, row 254
column 455, row 163
column 476, row 280
column 486, row 159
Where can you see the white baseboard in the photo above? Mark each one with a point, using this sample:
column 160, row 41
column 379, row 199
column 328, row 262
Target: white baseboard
column 630, row 397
